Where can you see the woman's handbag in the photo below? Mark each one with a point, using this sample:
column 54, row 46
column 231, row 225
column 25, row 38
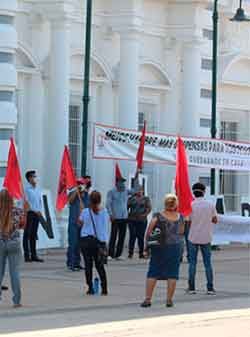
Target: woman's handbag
column 102, row 250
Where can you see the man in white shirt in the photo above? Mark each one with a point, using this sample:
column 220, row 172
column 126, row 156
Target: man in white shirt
column 34, row 197
column 203, row 218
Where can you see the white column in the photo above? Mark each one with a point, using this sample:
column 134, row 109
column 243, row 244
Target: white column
column 128, row 84
column 59, row 90
column 36, row 159
column 190, row 114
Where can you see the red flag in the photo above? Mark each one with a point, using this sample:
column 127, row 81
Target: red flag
column 182, row 186
column 140, row 153
column 118, row 173
column 13, row 179
column 67, row 180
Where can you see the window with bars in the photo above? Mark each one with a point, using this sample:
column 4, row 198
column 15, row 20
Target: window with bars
column 207, row 34
column 75, row 136
column 205, row 123
column 206, row 64
column 228, row 179
column 2, row 171
column 206, row 93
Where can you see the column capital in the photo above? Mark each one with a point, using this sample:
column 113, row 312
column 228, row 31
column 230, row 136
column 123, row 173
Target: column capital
column 58, row 12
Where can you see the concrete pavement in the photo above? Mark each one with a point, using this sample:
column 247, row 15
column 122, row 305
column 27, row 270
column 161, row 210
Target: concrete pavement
column 54, row 299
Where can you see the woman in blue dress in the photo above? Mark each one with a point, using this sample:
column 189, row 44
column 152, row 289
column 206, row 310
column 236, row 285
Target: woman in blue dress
column 165, row 257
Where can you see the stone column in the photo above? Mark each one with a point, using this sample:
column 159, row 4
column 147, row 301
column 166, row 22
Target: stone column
column 8, row 78
column 59, row 93
column 128, row 82
column 190, row 113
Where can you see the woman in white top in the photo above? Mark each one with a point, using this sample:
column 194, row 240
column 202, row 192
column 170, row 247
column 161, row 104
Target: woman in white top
column 94, row 233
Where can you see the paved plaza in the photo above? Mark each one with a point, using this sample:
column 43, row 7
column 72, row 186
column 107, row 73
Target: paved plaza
column 55, row 304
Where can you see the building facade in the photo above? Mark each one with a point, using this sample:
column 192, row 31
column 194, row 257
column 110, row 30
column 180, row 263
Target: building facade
column 150, row 59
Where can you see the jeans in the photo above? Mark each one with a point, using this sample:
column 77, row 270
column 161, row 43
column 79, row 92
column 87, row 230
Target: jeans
column 206, row 256
column 118, row 228
column 137, row 231
column 11, row 250
column 89, row 250
column 30, row 236
column 73, row 251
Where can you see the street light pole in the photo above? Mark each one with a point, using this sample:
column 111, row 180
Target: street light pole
column 238, row 17
column 214, row 86
column 85, row 98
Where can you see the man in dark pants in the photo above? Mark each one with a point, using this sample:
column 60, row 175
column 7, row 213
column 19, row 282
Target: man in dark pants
column 75, row 205
column 116, row 204
column 34, row 198
column 139, row 207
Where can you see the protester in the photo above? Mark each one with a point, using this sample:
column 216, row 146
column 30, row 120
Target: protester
column 78, row 198
column 11, row 220
column 139, row 207
column 94, row 234
column 34, row 197
column 165, row 257
column 116, row 204
column 203, row 218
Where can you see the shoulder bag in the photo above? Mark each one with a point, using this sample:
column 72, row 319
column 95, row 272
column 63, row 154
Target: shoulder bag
column 102, row 250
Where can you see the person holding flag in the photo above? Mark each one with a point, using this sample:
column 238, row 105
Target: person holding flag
column 34, row 198
column 77, row 199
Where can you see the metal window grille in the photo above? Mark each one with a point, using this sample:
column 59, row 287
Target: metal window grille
column 6, row 96
column 206, row 93
column 229, row 179
column 6, row 57
column 2, row 171
column 205, row 123
column 206, row 64
column 207, row 34
column 75, row 136
column 6, row 134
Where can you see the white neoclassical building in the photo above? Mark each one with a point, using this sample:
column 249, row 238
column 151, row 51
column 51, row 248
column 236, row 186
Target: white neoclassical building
column 150, row 59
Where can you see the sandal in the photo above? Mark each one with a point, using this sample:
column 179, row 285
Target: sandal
column 169, row 304
column 146, row 304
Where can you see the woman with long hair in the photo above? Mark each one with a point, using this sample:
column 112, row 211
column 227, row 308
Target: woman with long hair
column 165, row 257
column 11, row 220
column 94, row 237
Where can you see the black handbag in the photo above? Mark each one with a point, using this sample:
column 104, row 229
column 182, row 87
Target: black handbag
column 102, row 249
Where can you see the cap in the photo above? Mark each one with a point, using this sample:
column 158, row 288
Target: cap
column 82, row 181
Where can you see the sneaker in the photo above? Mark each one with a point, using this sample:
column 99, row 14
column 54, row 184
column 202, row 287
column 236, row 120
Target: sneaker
column 27, row 259
column 110, row 258
column 16, row 306
column 120, row 258
column 211, row 292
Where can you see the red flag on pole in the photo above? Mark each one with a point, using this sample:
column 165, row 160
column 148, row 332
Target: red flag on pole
column 182, row 186
column 140, row 153
column 67, row 180
column 13, row 180
column 118, row 173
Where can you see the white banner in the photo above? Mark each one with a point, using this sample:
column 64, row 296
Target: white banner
column 121, row 144
column 232, row 229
